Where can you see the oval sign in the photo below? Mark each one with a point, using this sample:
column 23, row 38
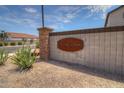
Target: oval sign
column 70, row 44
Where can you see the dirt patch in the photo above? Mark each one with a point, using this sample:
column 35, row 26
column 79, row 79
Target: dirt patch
column 50, row 74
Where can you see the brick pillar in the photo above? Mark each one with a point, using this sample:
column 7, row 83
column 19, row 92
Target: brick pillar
column 44, row 42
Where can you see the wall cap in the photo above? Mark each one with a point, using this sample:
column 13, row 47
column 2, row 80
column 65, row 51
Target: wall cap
column 91, row 30
column 45, row 28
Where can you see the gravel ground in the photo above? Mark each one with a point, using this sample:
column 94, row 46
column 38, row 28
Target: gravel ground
column 54, row 74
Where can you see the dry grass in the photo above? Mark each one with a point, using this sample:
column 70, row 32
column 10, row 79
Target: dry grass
column 51, row 75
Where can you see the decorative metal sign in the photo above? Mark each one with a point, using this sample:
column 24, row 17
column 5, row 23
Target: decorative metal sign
column 70, row 44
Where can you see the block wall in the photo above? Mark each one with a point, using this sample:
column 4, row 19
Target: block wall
column 103, row 51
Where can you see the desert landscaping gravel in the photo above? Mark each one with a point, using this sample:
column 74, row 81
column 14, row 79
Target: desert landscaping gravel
column 54, row 74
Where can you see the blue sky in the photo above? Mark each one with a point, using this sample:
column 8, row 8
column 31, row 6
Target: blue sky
column 26, row 19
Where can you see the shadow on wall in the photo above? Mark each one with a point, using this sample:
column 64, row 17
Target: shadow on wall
column 87, row 70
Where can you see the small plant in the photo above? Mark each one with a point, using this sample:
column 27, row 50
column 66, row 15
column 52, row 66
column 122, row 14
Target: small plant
column 3, row 56
column 12, row 43
column 1, row 44
column 20, row 43
column 37, row 44
column 24, row 58
column 6, row 43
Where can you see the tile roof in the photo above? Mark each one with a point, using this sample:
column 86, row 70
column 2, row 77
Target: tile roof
column 21, row 35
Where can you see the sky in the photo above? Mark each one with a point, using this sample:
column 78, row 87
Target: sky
column 27, row 18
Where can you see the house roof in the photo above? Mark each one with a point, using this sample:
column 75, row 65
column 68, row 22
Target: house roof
column 21, row 35
column 110, row 13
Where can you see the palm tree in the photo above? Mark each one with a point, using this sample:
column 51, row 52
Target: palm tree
column 3, row 35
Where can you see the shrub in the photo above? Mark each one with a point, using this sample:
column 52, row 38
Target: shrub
column 37, row 45
column 1, row 44
column 24, row 58
column 20, row 43
column 6, row 43
column 12, row 43
column 3, row 56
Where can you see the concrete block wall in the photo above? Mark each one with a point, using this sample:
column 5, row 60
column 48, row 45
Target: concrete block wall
column 103, row 51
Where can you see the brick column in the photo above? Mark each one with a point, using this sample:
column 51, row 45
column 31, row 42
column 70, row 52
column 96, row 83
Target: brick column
column 44, row 42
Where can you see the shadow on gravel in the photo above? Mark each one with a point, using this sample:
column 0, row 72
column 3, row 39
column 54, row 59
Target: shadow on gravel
column 17, row 70
column 2, row 65
column 87, row 70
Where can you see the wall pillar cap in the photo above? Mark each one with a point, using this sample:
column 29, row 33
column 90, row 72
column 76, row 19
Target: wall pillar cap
column 45, row 28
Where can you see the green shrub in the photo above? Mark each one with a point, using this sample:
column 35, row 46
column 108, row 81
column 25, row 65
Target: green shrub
column 24, row 58
column 3, row 56
column 6, row 43
column 12, row 43
column 20, row 43
column 37, row 45
column 1, row 44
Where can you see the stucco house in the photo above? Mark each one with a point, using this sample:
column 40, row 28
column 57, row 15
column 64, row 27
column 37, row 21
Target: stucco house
column 115, row 17
column 12, row 36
